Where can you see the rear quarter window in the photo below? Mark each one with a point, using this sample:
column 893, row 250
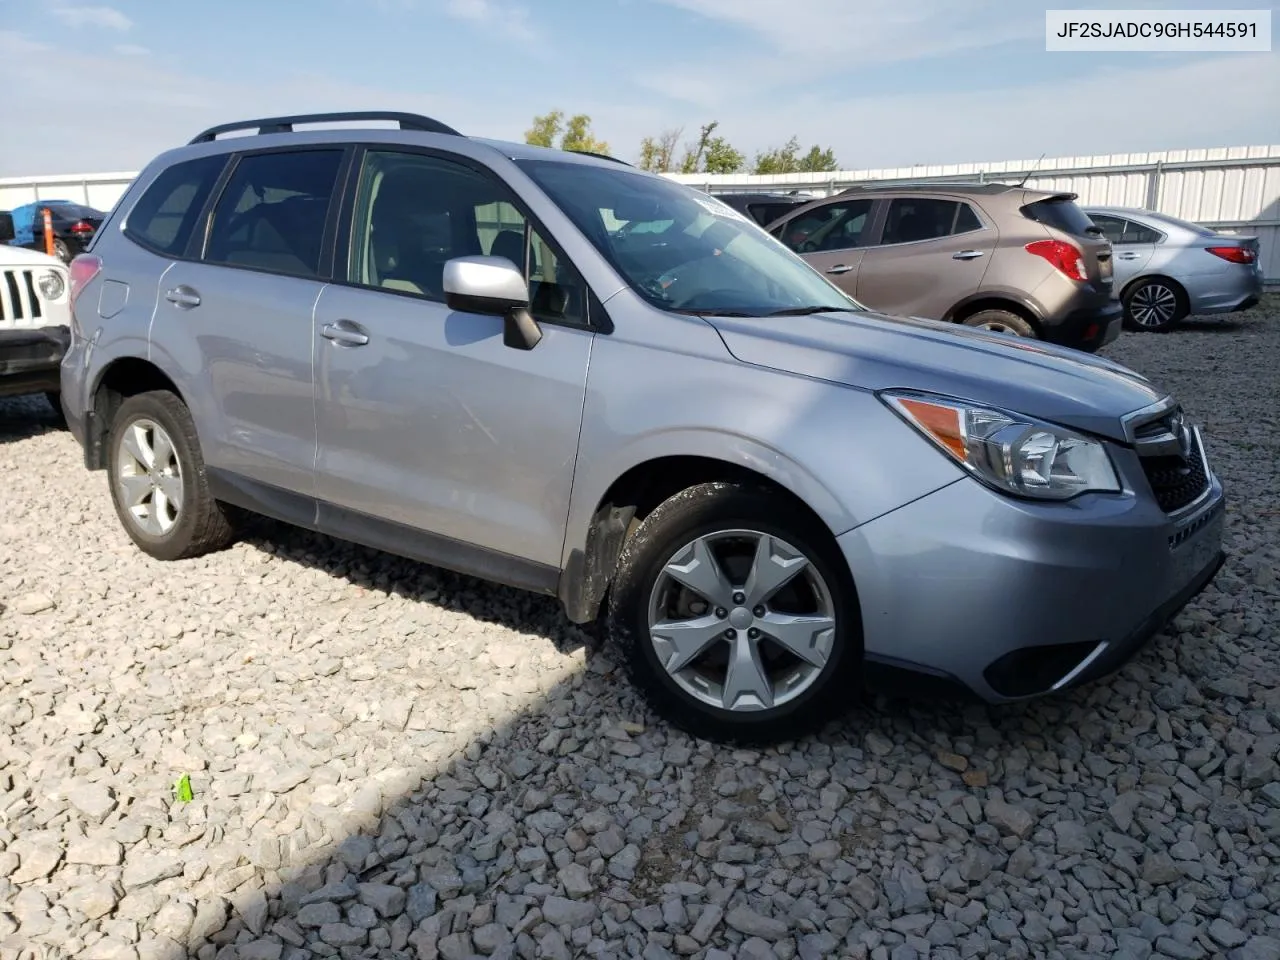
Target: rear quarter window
column 164, row 216
column 1061, row 214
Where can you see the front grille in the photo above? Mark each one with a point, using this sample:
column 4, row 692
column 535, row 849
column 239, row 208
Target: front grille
column 19, row 300
column 1172, row 461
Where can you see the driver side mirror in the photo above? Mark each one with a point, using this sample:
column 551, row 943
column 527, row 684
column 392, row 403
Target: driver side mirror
column 495, row 287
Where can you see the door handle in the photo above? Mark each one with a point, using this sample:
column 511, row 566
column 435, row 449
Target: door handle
column 182, row 296
column 1127, row 256
column 966, row 255
column 344, row 335
column 840, row 268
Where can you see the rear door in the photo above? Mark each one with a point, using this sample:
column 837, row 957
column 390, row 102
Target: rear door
column 237, row 321
column 829, row 237
column 1132, row 245
column 932, row 252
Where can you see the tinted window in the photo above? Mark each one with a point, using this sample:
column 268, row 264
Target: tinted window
column 911, row 219
column 6, row 227
column 1196, row 228
column 1061, row 214
column 1112, row 227
column 272, row 214
column 966, row 220
column 75, row 211
column 680, row 249
column 765, row 213
column 836, row 226
column 164, row 216
column 1137, row 233
column 413, row 213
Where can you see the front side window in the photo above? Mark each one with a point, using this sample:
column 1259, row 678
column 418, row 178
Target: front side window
column 414, row 213
column 911, row 219
column 271, row 215
column 165, row 214
column 836, row 226
column 680, row 249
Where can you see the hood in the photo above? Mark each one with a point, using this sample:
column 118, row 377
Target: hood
column 12, row 256
column 875, row 352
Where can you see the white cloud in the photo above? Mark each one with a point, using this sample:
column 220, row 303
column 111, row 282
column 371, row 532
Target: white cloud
column 842, row 34
column 511, row 22
column 131, row 50
column 1085, row 116
column 108, row 18
column 127, row 109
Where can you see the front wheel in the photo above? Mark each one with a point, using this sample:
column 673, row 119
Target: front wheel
column 158, row 482
column 736, row 615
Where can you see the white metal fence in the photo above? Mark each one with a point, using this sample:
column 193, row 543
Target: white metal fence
column 1235, row 189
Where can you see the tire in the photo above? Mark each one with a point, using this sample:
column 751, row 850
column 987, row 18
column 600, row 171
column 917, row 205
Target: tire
column 197, row 524
column 819, row 690
column 61, row 251
column 1001, row 321
column 1154, row 305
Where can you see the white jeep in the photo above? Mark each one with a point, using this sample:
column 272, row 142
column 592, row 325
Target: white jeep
column 35, row 313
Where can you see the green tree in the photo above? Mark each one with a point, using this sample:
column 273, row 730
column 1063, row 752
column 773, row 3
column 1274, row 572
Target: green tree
column 573, row 135
column 818, row 160
column 711, row 154
column 787, row 159
column 658, row 154
column 578, row 136
column 545, row 129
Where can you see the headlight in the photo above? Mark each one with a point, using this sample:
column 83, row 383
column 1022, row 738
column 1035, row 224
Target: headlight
column 51, row 284
column 1014, row 454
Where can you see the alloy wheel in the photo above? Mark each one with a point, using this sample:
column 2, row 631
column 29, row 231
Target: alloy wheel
column 1153, row 305
column 741, row 620
column 149, row 476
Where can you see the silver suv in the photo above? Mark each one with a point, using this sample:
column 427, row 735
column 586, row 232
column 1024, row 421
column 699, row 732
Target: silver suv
column 554, row 371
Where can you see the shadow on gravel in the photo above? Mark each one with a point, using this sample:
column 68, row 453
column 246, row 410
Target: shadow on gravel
column 27, row 416
column 375, row 570
column 525, row 835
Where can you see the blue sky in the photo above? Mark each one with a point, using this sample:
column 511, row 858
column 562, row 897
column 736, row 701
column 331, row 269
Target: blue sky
column 104, row 86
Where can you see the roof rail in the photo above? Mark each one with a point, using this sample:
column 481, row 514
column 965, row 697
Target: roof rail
column 600, row 156
column 407, row 121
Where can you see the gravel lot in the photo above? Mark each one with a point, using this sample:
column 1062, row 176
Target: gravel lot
column 389, row 761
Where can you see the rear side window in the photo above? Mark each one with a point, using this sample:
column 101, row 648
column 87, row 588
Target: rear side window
column 164, row 216
column 273, row 212
column 1060, row 214
column 912, row 219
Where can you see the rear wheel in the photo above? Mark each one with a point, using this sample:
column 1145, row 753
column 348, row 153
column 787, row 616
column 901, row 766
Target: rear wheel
column 54, row 399
column 736, row 616
column 1154, row 304
column 62, row 251
column 158, row 482
column 1000, row 321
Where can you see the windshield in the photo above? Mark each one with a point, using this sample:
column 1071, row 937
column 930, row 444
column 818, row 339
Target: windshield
column 683, row 250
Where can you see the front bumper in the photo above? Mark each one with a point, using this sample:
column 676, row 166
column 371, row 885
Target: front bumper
column 1006, row 599
column 30, row 359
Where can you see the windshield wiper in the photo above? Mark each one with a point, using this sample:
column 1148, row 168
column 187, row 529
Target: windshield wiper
column 802, row 311
column 712, row 312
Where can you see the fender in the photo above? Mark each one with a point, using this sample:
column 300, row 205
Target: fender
column 1014, row 296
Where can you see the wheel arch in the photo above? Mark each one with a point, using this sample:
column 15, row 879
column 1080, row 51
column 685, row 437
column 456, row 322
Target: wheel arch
column 995, row 301
column 1177, row 286
column 590, row 567
column 120, row 379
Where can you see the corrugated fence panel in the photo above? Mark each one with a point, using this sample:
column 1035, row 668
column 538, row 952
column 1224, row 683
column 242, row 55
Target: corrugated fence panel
column 1230, row 188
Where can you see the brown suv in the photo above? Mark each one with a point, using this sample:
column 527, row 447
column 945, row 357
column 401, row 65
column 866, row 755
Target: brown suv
column 1000, row 257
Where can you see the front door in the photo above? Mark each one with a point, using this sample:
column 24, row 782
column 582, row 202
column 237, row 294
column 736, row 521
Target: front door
column 829, row 238
column 425, row 418
column 932, row 253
